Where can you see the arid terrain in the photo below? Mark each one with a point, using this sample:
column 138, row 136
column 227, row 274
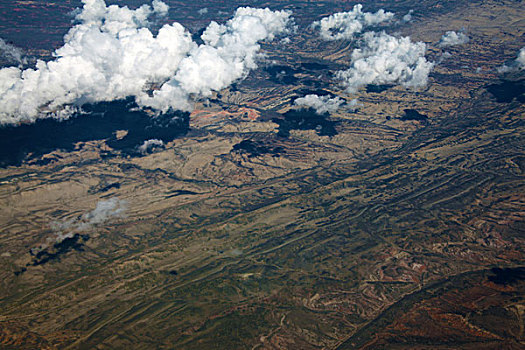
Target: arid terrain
column 397, row 225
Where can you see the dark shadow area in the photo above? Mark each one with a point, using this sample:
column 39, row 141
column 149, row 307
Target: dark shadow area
column 196, row 37
column 313, row 66
column 507, row 276
column 412, row 114
column 507, row 91
column 177, row 193
column 75, row 242
column 254, row 148
column 115, row 185
column 314, row 84
column 282, row 74
column 96, row 122
column 305, row 119
column 378, row 88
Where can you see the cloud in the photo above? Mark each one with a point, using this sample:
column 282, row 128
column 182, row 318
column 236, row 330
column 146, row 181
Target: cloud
column 445, row 55
column 111, row 54
column 229, row 52
column 452, row 38
column 520, row 60
column 354, row 104
column 11, row 53
column 344, row 25
column 408, row 17
column 160, row 8
column 321, row 104
column 516, row 65
column 105, row 211
column 107, row 56
column 384, row 59
column 203, row 11
column 150, row 145
column 114, row 19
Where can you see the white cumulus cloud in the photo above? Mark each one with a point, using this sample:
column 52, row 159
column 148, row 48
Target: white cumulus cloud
column 321, row 104
column 520, row 60
column 111, row 54
column 344, row 25
column 452, row 38
column 408, row 17
column 108, row 55
column 150, row 145
column 11, row 53
column 160, row 8
column 229, row 52
column 385, row 59
column 516, row 65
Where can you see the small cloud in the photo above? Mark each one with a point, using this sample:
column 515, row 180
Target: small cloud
column 68, row 234
column 354, row 104
column 384, row 59
column 11, row 54
column 443, row 56
column 452, row 38
column 321, row 104
column 516, row 65
column 203, row 11
column 150, row 146
column 408, row 17
column 520, row 60
column 345, row 25
column 105, row 211
column 160, row 8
